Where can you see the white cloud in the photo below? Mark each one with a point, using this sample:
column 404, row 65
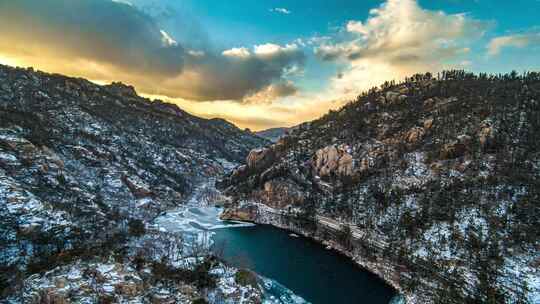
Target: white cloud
column 263, row 51
column 196, row 53
column 270, row 49
column 167, row 40
column 241, row 52
column 398, row 38
column 517, row 41
column 402, row 31
column 123, row 2
column 281, row 10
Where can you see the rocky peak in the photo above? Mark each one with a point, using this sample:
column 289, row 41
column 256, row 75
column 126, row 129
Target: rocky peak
column 168, row 108
column 122, row 89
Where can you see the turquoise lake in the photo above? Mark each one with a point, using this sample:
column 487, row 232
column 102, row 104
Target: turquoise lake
column 295, row 270
column 318, row 275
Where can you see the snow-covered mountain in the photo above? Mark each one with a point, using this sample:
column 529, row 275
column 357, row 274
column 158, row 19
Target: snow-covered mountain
column 83, row 168
column 432, row 183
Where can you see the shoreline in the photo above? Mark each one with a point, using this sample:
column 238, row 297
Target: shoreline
column 273, row 219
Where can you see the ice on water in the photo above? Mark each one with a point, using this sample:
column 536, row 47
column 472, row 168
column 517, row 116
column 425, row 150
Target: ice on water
column 198, row 223
column 195, row 220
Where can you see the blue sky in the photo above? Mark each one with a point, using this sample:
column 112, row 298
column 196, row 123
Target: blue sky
column 250, row 22
column 266, row 63
column 246, row 22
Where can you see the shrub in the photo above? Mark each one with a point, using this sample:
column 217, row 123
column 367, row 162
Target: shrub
column 136, row 227
column 106, row 299
column 199, row 276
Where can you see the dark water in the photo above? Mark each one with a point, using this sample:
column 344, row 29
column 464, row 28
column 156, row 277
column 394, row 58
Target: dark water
column 318, row 275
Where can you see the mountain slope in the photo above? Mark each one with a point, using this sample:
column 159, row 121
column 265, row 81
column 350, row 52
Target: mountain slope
column 432, row 183
column 81, row 164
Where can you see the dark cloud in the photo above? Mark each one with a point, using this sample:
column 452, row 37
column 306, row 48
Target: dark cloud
column 99, row 30
column 272, row 92
column 285, row 89
column 129, row 45
column 229, row 77
column 217, row 76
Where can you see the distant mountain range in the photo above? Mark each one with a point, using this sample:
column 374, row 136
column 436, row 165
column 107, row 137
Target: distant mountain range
column 273, row 134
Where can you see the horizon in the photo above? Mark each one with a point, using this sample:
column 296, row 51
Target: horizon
column 259, row 65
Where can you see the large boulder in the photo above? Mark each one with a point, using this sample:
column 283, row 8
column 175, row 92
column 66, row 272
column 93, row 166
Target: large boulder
column 259, row 159
column 333, row 160
column 138, row 187
column 394, row 97
column 246, row 213
column 486, row 134
column 414, row 135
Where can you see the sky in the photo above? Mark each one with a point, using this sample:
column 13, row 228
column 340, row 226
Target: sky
column 263, row 64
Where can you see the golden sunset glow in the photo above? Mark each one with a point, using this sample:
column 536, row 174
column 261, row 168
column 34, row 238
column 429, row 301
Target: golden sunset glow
column 255, row 82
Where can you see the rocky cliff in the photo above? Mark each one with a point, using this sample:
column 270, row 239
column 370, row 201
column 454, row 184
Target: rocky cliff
column 84, row 167
column 432, row 183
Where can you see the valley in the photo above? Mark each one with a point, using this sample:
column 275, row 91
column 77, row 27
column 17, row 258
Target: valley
column 425, row 188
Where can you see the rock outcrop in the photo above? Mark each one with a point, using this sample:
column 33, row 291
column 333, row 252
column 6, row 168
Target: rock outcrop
column 259, row 159
column 279, row 193
column 245, row 214
column 333, row 160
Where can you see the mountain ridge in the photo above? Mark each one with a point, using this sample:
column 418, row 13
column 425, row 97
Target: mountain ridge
column 431, row 182
column 84, row 169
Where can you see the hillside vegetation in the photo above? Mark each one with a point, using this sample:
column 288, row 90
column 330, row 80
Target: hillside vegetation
column 83, row 170
column 434, row 180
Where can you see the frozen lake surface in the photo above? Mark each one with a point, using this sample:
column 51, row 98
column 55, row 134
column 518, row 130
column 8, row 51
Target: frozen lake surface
column 301, row 271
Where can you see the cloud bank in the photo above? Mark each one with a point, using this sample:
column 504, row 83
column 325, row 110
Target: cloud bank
column 398, row 38
column 111, row 33
column 113, row 40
